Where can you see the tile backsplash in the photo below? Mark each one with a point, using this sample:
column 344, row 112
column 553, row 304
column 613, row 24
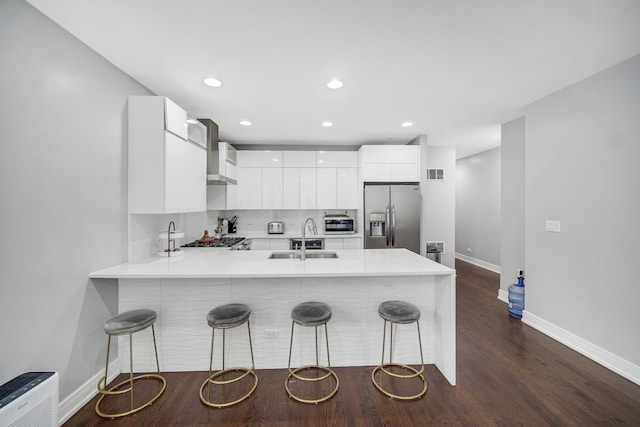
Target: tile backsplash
column 144, row 228
column 252, row 221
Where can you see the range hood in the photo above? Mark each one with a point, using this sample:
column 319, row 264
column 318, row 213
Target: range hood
column 221, row 157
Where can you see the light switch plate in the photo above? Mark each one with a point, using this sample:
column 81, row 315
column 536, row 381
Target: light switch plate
column 552, row 226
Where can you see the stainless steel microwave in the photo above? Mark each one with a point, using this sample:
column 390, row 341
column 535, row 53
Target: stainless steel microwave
column 339, row 225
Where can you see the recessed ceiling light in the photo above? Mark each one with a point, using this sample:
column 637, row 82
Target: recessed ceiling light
column 406, row 124
column 212, row 81
column 326, row 124
column 335, row 84
column 245, row 123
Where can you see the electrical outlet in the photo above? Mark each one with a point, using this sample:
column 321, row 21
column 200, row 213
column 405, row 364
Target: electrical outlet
column 271, row 333
column 389, row 285
column 552, row 226
column 435, row 247
column 468, row 250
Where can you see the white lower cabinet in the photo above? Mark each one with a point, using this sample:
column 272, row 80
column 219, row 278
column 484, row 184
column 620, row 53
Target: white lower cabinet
column 283, row 244
column 279, row 244
column 270, row 244
column 260, row 244
column 333, row 244
column 346, row 243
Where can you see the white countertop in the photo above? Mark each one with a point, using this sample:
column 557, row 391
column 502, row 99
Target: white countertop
column 208, row 263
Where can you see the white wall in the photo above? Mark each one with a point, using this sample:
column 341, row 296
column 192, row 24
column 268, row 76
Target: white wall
column 63, row 186
column 582, row 152
column 439, row 199
column 478, row 209
column 512, row 210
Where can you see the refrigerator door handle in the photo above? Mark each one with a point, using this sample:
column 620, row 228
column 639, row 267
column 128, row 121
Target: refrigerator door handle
column 393, row 225
column 388, row 224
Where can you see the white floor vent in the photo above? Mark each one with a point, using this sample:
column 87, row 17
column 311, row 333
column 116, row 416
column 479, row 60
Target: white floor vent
column 30, row 400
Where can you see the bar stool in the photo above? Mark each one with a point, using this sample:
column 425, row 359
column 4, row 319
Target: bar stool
column 226, row 317
column 314, row 314
column 399, row 312
column 128, row 323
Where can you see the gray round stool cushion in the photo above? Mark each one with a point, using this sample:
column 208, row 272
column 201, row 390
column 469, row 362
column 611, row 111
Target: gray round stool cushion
column 311, row 313
column 228, row 315
column 399, row 312
column 130, row 321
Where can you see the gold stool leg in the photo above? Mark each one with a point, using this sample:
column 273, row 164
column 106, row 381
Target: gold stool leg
column 329, row 373
column 117, row 390
column 211, row 379
column 414, row 373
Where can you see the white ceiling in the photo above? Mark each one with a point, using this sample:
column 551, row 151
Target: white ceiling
column 456, row 69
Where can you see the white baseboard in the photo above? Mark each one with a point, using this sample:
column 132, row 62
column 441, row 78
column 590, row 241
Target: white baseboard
column 479, row 263
column 76, row 400
column 503, row 295
column 597, row 354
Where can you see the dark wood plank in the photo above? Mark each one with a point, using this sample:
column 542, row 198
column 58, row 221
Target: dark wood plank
column 508, row 374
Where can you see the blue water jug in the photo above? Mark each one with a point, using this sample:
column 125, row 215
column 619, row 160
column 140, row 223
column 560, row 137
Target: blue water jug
column 516, row 296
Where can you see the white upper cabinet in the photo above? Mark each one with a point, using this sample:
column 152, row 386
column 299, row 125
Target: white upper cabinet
column 259, row 159
column 390, row 163
column 248, row 193
column 271, row 188
column 337, row 188
column 308, row 188
column 166, row 173
column 347, row 183
column 327, row 188
column 390, row 153
column 337, row 159
column 294, row 180
column 299, row 159
column 291, row 188
column 157, row 112
column 260, row 181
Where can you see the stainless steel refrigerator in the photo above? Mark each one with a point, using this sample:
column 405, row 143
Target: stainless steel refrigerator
column 392, row 216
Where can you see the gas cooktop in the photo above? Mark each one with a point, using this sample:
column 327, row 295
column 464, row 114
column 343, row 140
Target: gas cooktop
column 223, row 242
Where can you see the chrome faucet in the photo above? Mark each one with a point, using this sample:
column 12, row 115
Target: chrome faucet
column 169, row 249
column 303, row 247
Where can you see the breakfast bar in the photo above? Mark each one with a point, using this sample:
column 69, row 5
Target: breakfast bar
column 183, row 289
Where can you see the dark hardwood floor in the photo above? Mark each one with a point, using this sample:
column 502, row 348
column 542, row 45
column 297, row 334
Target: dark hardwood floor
column 508, row 375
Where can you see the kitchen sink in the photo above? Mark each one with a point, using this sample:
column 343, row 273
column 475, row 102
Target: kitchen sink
column 298, row 255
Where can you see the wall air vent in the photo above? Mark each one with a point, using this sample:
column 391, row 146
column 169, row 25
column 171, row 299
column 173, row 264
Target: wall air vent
column 435, row 174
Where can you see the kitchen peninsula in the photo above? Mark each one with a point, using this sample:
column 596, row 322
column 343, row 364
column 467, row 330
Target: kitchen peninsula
column 183, row 289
